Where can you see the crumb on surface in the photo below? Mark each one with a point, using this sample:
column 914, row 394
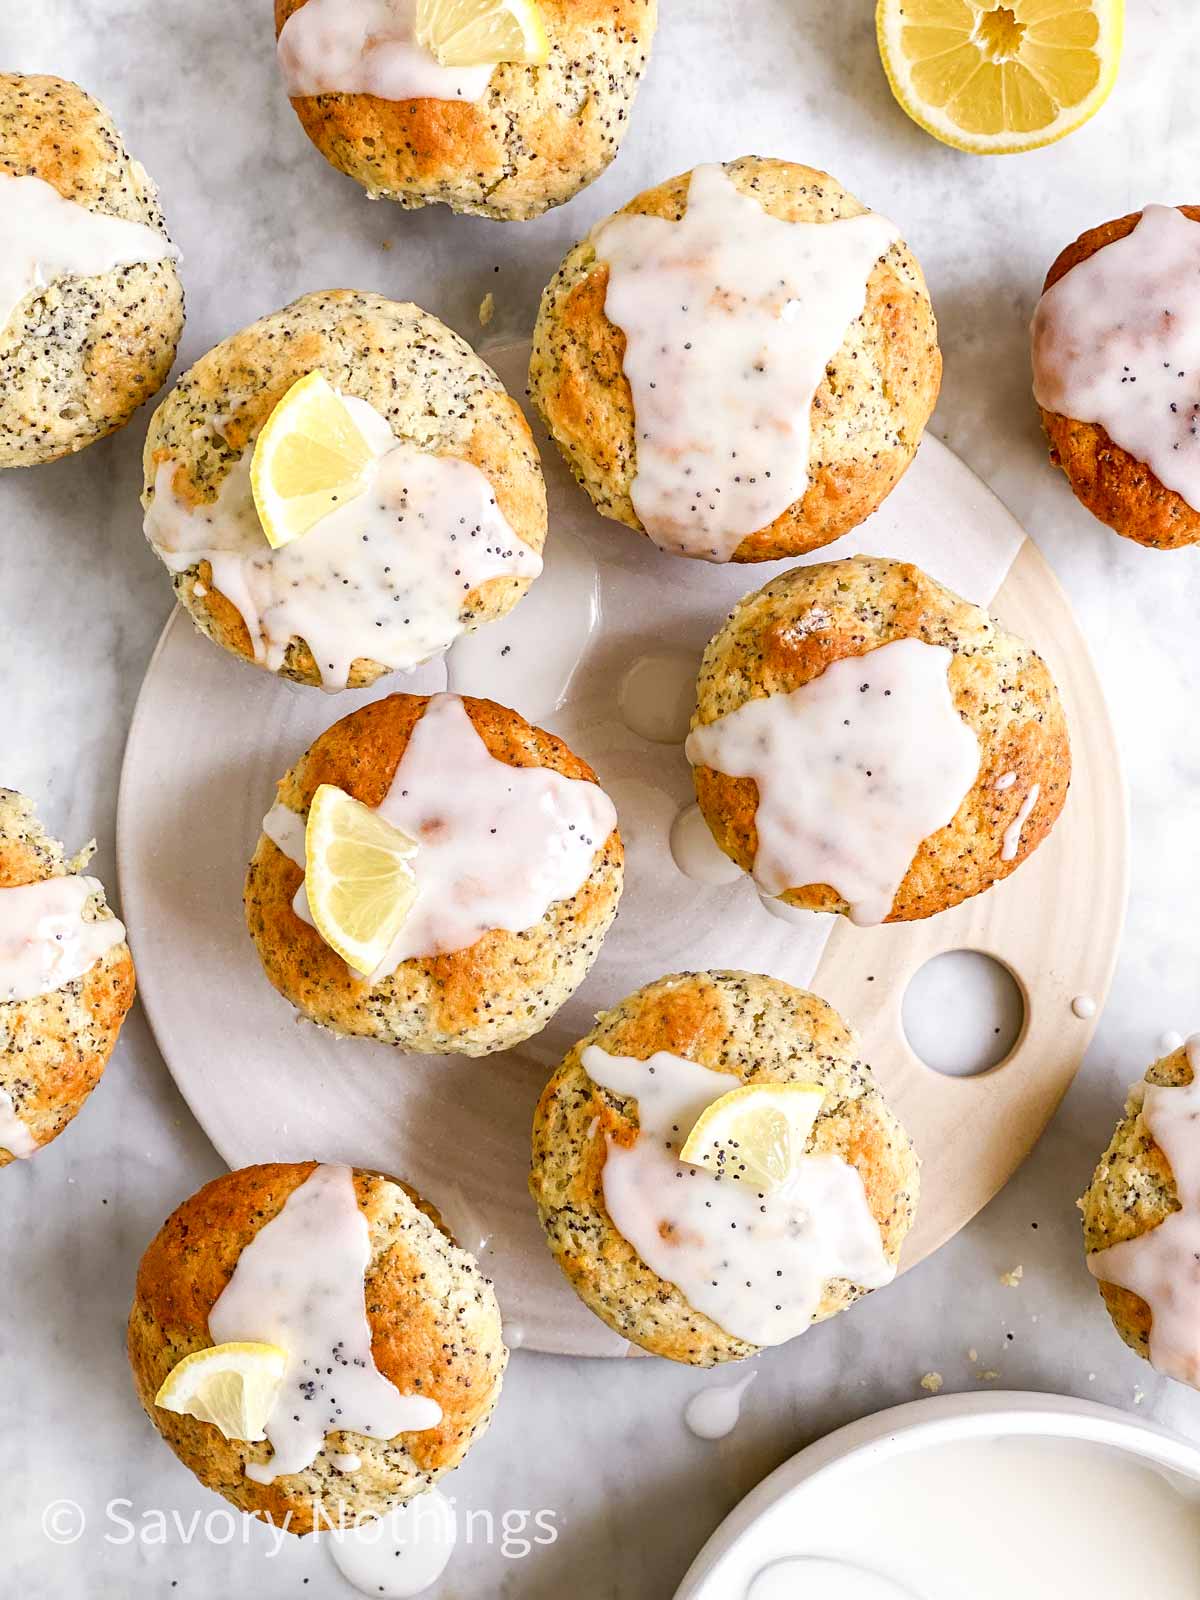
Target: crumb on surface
column 932, row 1382
column 1012, row 1278
column 487, row 309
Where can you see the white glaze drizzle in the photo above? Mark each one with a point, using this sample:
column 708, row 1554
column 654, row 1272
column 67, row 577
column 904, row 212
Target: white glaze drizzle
column 731, row 317
column 299, row 1284
column 713, row 1413
column 1169, row 1042
column 383, row 577
column 45, row 941
column 497, row 845
column 368, row 47
column 1116, row 341
column 15, row 1136
column 756, row 1264
column 401, row 1554
column 44, row 237
column 854, row 770
column 1163, row 1265
column 697, row 854
column 1012, row 834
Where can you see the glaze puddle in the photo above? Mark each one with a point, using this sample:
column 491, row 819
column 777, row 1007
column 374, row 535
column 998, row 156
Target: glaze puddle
column 810, row 1577
column 45, row 941
column 714, row 1413
column 730, row 318
column 15, row 1137
column 368, row 47
column 383, row 577
column 400, row 1554
column 756, row 1264
column 1116, row 341
column 299, row 1284
column 696, row 853
column 44, row 237
column 854, row 770
column 657, row 695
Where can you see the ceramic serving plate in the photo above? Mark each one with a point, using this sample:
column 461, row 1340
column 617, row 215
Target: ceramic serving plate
column 211, row 735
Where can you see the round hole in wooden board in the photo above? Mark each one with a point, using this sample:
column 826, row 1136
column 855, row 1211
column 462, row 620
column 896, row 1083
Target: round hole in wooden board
column 211, row 735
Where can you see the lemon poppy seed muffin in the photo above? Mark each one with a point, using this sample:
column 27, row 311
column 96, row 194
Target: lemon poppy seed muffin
column 95, row 306
column 518, row 868
column 506, row 142
column 1135, row 1194
column 864, row 691
column 66, row 981
column 851, row 428
column 444, row 538
column 1112, row 336
column 721, row 1029
column 432, row 1331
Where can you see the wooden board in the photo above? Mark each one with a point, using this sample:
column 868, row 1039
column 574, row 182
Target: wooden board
column 210, row 736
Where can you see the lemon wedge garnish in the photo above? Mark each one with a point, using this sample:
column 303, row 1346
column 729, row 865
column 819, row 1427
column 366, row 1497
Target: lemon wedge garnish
column 233, row 1386
column 999, row 76
column 360, row 886
column 479, row 33
column 755, row 1134
column 309, row 459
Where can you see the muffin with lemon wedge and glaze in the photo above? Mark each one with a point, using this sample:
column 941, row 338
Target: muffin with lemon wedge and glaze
column 739, row 364
column 312, row 1344
column 435, row 873
column 342, row 489
column 867, row 742
column 503, row 108
column 716, row 1169
column 66, row 981
column 91, row 306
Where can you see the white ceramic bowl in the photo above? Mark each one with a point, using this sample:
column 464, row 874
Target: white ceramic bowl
column 756, row 1532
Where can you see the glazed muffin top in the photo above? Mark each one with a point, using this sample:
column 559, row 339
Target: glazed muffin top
column 1147, row 1279
column 80, row 351
column 532, row 137
column 755, row 1030
column 1114, row 379
column 485, row 958
column 700, row 270
column 448, row 443
column 434, row 1330
column 66, row 981
column 967, row 740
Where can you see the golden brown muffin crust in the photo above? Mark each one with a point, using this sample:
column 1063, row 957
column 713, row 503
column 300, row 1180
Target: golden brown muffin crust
column 867, row 417
column 759, row 1031
column 54, row 1047
column 430, row 385
column 493, row 994
column 1115, row 486
column 1133, row 1190
column 80, row 354
column 435, row 1331
column 787, row 633
column 538, row 136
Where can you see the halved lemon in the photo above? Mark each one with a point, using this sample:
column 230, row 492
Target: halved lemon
column 360, row 886
column 233, row 1386
column 479, row 33
column 755, row 1134
column 309, row 459
column 1000, row 76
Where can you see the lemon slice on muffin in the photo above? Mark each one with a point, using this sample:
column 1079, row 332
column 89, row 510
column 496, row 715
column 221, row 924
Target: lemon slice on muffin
column 999, row 76
column 476, row 33
column 756, row 1133
column 309, row 459
column 360, row 886
column 233, row 1386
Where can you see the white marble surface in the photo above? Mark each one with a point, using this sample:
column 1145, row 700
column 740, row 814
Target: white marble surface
column 261, row 218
